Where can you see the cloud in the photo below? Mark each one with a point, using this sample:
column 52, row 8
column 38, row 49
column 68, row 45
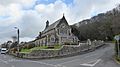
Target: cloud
column 23, row 3
column 26, row 39
column 55, row 10
column 31, row 17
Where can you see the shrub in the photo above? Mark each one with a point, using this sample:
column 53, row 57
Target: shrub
column 29, row 46
column 14, row 50
column 66, row 43
column 73, row 43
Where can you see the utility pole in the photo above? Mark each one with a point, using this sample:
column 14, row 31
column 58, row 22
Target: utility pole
column 18, row 32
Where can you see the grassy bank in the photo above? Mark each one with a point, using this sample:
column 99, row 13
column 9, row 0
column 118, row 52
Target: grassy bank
column 39, row 48
column 117, row 59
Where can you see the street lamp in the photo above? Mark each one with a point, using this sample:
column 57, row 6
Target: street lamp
column 17, row 36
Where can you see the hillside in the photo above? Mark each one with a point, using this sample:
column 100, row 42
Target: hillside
column 103, row 26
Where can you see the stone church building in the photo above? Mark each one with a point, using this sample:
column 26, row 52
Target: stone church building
column 57, row 33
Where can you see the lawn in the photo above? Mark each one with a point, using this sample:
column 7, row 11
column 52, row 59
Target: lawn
column 25, row 51
column 39, row 48
column 46, row 47
column 57, row 46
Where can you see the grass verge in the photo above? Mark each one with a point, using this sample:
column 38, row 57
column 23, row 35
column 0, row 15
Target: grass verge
column 39, row 48
column 117, row 59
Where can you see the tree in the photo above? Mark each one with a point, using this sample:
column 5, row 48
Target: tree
column 99, row 27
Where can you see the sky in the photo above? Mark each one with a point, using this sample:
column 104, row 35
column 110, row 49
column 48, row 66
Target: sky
column 30, row 16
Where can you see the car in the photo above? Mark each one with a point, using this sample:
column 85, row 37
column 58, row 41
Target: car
column 3, row 50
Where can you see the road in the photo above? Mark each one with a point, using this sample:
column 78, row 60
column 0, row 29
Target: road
column 102, row 57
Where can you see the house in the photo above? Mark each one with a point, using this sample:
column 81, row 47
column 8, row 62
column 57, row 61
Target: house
column 57, row 33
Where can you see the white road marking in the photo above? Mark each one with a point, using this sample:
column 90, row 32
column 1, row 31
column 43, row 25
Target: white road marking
column 91, row 65
column 42, row 63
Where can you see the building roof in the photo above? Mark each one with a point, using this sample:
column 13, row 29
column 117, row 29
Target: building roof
column 54, row 25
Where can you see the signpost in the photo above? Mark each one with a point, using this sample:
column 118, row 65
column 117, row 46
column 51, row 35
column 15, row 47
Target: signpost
column 117, row 38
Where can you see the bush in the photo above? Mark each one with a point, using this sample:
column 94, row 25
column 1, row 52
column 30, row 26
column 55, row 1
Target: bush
column 66, row 43
column 28, row 46
column 14, row 50
column 73, row 43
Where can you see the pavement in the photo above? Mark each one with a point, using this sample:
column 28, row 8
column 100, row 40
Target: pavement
column 101, row 57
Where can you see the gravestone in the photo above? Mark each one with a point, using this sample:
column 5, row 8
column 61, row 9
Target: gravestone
column 89, row 43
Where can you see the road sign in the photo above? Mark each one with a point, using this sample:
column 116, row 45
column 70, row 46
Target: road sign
column 117, row 37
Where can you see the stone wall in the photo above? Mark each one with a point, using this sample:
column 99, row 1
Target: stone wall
column 66, row 50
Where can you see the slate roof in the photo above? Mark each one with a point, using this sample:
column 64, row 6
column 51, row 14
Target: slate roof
column 54, row 25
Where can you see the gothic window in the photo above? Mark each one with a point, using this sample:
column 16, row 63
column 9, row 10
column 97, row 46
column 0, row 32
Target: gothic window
column 69, row 32
column 58, row 31
column 52, row 38
column 63, row 29
column 62, row 26
column 73, row 39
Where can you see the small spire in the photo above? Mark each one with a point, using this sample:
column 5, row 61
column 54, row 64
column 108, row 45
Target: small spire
column 63, row 16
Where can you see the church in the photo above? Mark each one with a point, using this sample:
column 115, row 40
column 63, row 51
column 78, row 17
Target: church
column 57, row 33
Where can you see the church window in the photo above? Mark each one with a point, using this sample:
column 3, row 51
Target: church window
column 52, row 39
column 58, row 31
column 69, row 32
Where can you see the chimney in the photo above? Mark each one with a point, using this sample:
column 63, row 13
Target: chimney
column 40, row 34
column 47, row 24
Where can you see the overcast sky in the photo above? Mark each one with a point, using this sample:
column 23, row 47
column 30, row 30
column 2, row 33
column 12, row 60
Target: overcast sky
column 30, row 15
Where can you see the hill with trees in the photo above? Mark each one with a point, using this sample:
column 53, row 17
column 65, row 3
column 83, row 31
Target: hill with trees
column 103, row 26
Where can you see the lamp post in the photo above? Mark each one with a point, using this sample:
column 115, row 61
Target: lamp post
column 17, row 36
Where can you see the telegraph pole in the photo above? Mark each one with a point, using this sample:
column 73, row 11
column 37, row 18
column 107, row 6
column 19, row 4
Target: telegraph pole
column 18, row 33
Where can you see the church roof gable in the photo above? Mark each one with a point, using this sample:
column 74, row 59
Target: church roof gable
column 54, row 25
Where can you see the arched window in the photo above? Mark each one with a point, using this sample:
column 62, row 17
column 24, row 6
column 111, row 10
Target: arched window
column 69, row 31
column 52, row 38
column 58, row 31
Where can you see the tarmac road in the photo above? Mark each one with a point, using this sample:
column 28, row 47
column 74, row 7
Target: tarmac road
column 101, row 57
